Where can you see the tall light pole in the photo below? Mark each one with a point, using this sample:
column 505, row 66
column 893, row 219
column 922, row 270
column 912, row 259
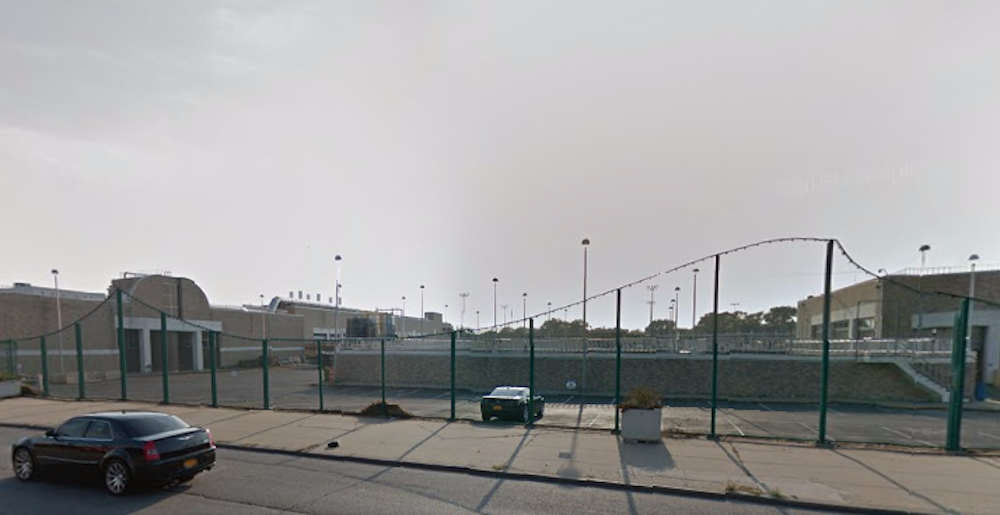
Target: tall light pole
column 920, row 290
column 524, row 309
column 336, row 299
column 402, row 321
column 677, row 305
column 550, row 311
column 263, row 317
column 980, row 392
column 504, row 307
column 652, row 300
column 495, row 330
column 446, row 313
column 422, row 316
column 735, row 305
column 478, row 325
column 694, row 300
column 461, row 320
column 62, row 364
column 586, row 244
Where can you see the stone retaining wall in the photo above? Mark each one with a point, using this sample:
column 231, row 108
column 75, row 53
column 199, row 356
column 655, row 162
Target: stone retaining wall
column 674, row 377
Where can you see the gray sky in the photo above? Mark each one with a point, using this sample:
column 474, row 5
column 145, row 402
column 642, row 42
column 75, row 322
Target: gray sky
column 244, row 144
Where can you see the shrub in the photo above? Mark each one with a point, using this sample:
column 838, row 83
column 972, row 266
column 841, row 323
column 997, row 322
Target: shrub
column 641, row 398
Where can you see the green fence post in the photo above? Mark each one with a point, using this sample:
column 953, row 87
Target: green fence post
column 319, row 367
column 953, row 440
column 825, row 375
column 453, row 335
column 618, row 360
column 121, row 345
column 531, row 371
column 164, row 366
column 385, row 410
column 80, row 388
column 213, row 350
column 45, row 367
column 715, row 350
column 266, row 359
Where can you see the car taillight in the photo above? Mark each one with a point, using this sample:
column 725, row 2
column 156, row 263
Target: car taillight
column 211, row 441
column 150, row 452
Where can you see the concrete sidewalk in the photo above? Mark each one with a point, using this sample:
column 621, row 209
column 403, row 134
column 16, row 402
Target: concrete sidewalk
column 877, row 479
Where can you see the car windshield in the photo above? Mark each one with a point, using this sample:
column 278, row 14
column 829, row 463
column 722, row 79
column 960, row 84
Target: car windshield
column 154, row 424
column 506, row 391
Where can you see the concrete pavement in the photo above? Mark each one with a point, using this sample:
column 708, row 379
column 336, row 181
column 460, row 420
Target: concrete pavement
column 856, row 477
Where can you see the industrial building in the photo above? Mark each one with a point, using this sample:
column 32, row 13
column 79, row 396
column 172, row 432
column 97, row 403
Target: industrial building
column 913, row 303
column 28, row 312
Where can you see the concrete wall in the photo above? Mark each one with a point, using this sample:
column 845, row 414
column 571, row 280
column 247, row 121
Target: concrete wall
column 674, row 377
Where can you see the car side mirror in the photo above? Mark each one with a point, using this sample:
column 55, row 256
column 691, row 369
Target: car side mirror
column 50, row 432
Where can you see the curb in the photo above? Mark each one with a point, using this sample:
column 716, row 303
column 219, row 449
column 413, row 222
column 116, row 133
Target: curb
column 595, row 483
column 539, row 478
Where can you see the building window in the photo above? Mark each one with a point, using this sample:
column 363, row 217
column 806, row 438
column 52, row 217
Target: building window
column 865, row 328
column 840, row 330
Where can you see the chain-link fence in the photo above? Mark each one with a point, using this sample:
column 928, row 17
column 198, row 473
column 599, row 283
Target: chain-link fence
column 902, row 359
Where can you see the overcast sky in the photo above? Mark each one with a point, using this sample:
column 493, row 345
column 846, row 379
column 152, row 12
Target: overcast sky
column 244, row 144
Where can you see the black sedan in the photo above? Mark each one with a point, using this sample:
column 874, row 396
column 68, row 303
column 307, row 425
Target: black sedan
column 124, row 447
column 511, row 402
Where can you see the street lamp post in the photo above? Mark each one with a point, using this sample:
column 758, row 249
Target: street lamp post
column 422, row 316
column 62, row 364
column 504, row 308
column 336, row 299
column 652, row 290
column 550, row 311
column 920, row 290
column 980, row 393
column 402, row 320
column 263, row 317
column 586, row 244
column 495, row 330
column 524, row 309
column 694, row 300
column 446, row 313
column 677, row 313
column 478, row 325
column 734, row 305
column 461, row 320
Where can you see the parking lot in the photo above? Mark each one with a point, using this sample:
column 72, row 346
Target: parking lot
column 296, row 388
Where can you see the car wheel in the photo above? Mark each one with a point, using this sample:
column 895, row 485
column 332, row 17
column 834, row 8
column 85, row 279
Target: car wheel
column 486, row 417
column 117, row 477
column 525, row 415
column 24, row 464
column 541, row 411
column 185, row 479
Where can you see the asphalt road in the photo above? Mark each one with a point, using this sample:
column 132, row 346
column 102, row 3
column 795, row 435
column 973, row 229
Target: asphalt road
column 259, row 483
column 297, row 389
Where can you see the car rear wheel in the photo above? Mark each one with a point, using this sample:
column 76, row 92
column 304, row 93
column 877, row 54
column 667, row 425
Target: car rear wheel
column 525, row 416
column 24, row 464
column 117, row 477
column 486, row 417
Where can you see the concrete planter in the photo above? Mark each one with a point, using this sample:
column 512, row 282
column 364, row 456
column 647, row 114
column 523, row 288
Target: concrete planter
column 10, row 388
column 641, row 425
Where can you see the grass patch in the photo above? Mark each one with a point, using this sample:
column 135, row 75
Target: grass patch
column 500, row 467
column 777, row 493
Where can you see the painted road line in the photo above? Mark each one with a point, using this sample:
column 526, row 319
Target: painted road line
column 445, row 394
column 904, row 435
column 807, row 426
column 762, row 405
column 404, row 393
column 987, row 435
column 592, row 421
column 735, row 426
column 567, row 400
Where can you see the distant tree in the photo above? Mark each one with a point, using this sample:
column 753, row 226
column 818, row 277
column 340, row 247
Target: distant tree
column 661, row 328
column 780, row 319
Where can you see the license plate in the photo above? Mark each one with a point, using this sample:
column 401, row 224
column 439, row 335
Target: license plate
column 497, row 408
column 191, row 463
